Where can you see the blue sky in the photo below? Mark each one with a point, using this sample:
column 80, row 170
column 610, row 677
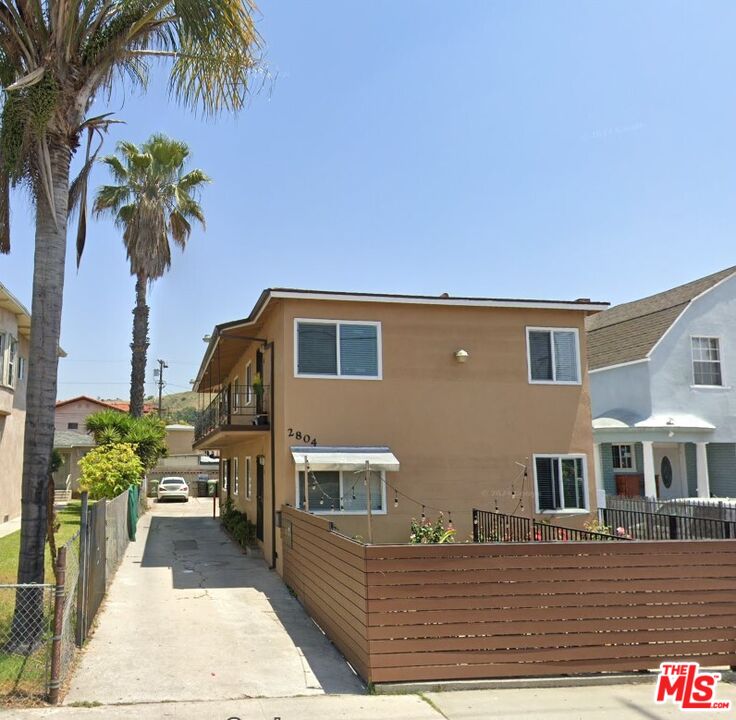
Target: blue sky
column 521, row 149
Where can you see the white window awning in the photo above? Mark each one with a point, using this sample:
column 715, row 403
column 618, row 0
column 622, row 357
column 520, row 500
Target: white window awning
column 344, row 458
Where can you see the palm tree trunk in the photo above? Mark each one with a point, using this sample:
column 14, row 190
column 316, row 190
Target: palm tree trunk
column 48, row 291
column 139, row 347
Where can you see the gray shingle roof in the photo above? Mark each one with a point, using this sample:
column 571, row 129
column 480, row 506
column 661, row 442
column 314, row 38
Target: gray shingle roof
column 628, row 332
column 72, row 438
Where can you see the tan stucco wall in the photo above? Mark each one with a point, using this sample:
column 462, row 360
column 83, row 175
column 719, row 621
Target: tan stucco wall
column 12, row 430
column 458, row 430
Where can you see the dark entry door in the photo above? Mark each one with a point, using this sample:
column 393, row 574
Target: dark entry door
column 259, row 500
column 259, row 372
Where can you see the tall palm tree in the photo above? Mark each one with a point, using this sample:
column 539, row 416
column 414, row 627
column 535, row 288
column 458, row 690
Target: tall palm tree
column 56, row 58
column 154, row 200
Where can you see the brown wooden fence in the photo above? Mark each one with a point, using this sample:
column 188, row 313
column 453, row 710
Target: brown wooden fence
column 462, row 611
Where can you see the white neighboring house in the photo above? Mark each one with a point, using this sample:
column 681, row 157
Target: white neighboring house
column 663, row 392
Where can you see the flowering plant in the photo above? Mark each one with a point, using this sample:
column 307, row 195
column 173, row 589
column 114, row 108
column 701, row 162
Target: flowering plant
column 424, row 532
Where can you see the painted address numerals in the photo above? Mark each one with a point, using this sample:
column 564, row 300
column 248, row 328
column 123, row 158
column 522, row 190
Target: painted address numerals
column 306, row 438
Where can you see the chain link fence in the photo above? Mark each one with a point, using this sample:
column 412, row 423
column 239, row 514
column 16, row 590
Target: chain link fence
column 68, row 635
column 116, row 535
column 26, row 613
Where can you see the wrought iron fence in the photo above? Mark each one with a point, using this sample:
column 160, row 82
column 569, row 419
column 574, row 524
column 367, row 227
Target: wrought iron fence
column 706, row 508
column 666, row 525
column 26, row 613
column 498, row 527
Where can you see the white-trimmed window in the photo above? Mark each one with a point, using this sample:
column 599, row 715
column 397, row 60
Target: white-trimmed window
column 225, row 470
column 21, row 367
column 553, row 355
column 560, row 483
column 337, row 349
column 623, row 457
column 235, row 395
column 248, row 384
column 12, row 361
column 342, row 491
column 235, row 476
column 248, row 479
column 706, row 353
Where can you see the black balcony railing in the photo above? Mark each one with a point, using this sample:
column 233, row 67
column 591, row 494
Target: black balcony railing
column 235, row 407
column 668, row 524
column 497, row 527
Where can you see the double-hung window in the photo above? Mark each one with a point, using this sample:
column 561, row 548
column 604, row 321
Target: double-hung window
column 235, row 476
column 342, row 491
column 706, row 353
column 560, row 483
column 12, row 360
column 248, row 479
column 341, row 349
column 623, row 457
column 553, row 355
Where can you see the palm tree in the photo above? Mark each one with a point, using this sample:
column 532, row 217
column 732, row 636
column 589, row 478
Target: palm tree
column 154, row 200
column 56, row 58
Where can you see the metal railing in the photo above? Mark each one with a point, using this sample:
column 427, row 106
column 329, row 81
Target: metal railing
column 244, row 405
column 715, row 509
column 497, row 527
column 665, row 525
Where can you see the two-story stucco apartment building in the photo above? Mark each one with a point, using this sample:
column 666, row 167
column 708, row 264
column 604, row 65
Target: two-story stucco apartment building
column 447, row 399
column 662, row 382
column 15, row 330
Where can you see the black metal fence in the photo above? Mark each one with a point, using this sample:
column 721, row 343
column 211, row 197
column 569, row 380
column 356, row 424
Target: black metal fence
column 497, row 527
column 714, row 509
column 668, row 525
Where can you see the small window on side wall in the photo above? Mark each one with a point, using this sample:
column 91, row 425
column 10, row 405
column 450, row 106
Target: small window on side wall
column 553, row 356
column 560, row 483
column 706, row 352
column 343, row 349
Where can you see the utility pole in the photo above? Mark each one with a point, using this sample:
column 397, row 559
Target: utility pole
column 160, row 373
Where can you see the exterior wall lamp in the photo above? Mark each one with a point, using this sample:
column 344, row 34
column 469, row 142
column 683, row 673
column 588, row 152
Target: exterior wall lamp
column 462, row 355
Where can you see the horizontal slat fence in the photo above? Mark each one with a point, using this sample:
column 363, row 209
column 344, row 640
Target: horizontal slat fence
column 464, row 611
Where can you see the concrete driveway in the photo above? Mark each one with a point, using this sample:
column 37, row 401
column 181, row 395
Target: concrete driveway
column 190, row 617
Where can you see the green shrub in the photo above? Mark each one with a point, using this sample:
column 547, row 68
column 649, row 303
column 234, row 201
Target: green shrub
column 426, row 532
column 108, row 470
column 237, row 524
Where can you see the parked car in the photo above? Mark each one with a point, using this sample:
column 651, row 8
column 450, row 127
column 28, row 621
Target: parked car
column 173, row 488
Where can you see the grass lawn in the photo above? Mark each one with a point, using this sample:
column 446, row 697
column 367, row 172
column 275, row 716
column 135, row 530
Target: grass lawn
column 21, row 674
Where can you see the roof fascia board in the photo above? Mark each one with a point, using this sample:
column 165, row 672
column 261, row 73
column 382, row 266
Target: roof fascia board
column 458, row 302
column 618, row 365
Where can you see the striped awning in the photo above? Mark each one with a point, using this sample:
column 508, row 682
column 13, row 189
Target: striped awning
column 344, row 458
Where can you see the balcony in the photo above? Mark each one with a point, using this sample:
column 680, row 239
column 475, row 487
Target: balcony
column 235, row 410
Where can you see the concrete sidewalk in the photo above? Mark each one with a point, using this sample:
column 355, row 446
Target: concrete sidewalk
column 612, row 702
column 190, row 617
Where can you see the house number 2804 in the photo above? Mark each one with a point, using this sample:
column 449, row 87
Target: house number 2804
column 303, row 437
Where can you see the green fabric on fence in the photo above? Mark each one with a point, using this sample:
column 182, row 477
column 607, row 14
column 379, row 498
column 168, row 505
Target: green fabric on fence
column 132, row 511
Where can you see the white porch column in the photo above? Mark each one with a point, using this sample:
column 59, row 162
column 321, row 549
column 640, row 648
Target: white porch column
column 701, row 458
column 650, row 482
column 600, row 489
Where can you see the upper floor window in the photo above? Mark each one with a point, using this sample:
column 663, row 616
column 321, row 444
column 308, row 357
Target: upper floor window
column 330, row 348
column 8, row 360
column 706, row 361
column 623, row 457
column 560, row 482
column 553, row 355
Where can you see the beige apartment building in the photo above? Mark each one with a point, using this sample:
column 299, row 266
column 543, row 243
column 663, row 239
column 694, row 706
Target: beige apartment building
column 15, row 330
column 441, row 403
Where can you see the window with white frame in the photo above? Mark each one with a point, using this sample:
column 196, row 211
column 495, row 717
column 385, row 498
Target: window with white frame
column 553, row 355
column 248, row 479
column 342, row 491
column 623, row 457
column 235, row 393
column 560, row 482
column 248, row 384
column 235, row 476
column 225, row 469
column 706, row 353
column 346, row 349
column 21, row 367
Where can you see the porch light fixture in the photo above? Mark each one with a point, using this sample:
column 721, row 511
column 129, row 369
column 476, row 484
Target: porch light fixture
column 261, row 460
column 207, row 338
column 461, row 355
